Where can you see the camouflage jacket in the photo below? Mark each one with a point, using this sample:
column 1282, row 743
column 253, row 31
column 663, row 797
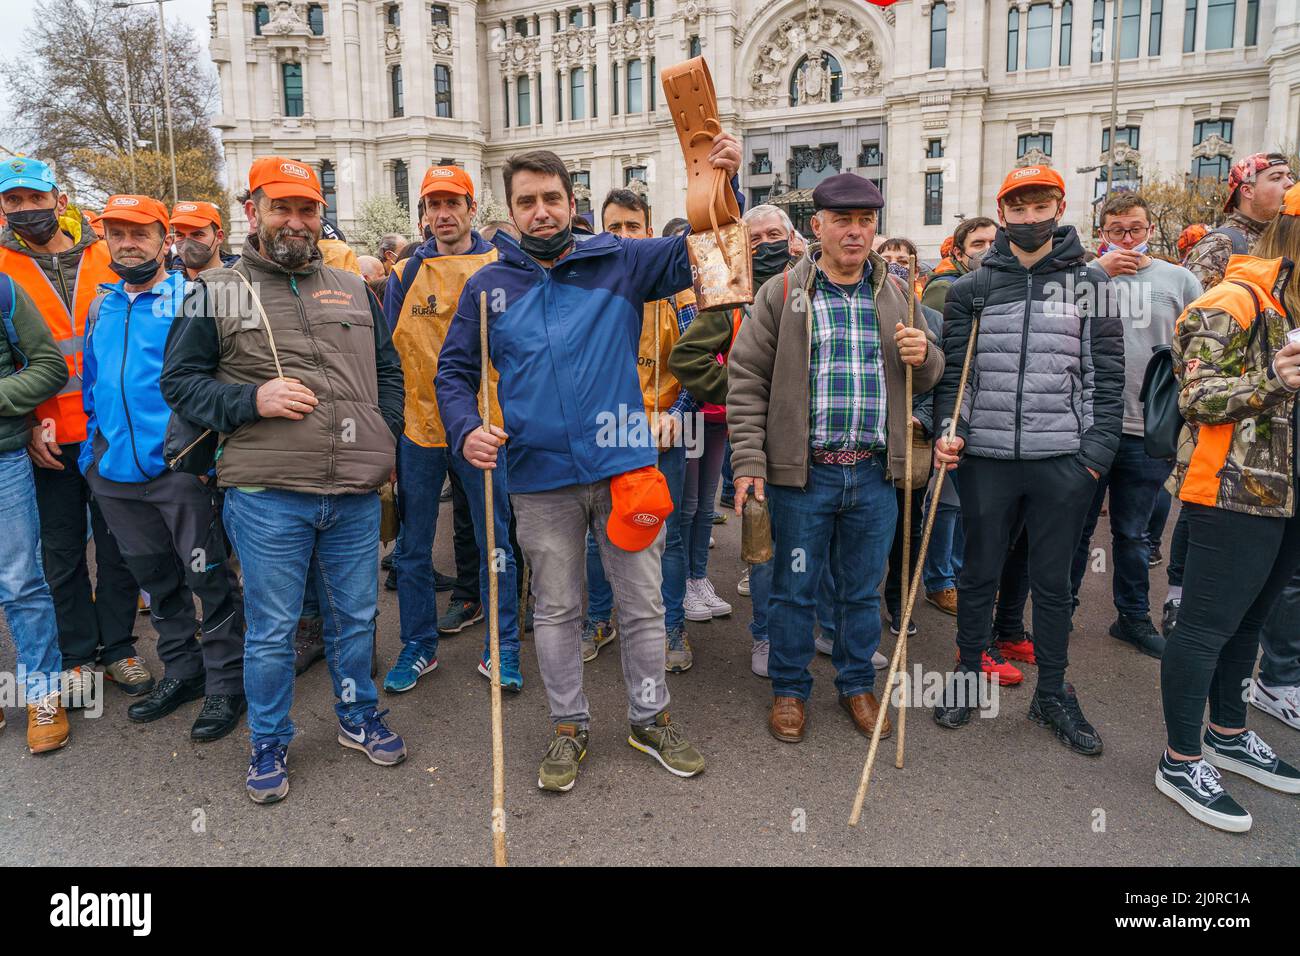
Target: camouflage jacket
column 1236, row 447
column 1208, row 259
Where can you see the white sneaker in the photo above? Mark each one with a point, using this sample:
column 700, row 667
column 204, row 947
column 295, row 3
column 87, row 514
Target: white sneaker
column 824, row 645
column 758, row 657
column 717, row 607
column 1281, row 702
column 712, row 543
column 694, row 606
column 742, row 586
column 879, row 661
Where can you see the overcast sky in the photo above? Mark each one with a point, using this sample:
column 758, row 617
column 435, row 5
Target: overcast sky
column 18, row 18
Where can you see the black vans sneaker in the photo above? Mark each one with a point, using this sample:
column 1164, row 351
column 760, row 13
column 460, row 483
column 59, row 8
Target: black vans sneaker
column 960, row 698
column 1141, row 633
column 1170, row 616
column 1062, row 714
column 1194, row 786
column 1245, row 753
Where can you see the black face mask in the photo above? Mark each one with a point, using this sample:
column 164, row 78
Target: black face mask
column 1030, row 236
column 771, row 258
column 35, row 226
column 548, row 248
column 136, row 274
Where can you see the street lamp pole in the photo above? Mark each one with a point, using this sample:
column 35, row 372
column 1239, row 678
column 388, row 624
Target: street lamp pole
column 167, row 88
column 1114, row 99
column 130, row 127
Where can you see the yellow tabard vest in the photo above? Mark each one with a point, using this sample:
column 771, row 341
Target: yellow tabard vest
column 426, row 315
column 663, row 312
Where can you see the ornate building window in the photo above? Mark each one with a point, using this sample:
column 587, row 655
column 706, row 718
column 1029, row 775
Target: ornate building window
column 1041, row 143
column 329, row 190
column 934, row 199
column 1220, row 19
column 1252, row 22
column 816, row 78
column 439, row 15
column 693, row 46
column 442, row 90
column 1212, row 149
column 577, row 94
column 291, row 83
column 401, row 185
column 316, row 19
column 523, row 98
column 261, row 17
column 761, row 164
column 1098, row 38
column 939, row 36
column 1130, row 29
column 634, row 100
column 871, row 155
column 1189, row 26
column 809, row 165
column 1038, row 51
column 395, row 90
column 581, row 191
column 393, row 16
column 1155, row 27
column 1013, row 40
column 1067, row 31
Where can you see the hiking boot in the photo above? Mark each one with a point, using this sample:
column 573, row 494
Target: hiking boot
column 168, row 694
column 945, row 600
column 678, row 656
column 130, row 674
column 460, row 615
column 559, row 769
column 595, row 635
column 1194, row 785
column 219, row 716
column 1141, row 633
column 1247, row 754
column 47, row 725
column 664, row 741
column 308, row 643
column 1061, row 713
column 78, row 687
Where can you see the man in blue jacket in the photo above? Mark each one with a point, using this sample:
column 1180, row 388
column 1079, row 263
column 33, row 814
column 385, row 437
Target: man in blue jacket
column 564, row 319
column 166, row 523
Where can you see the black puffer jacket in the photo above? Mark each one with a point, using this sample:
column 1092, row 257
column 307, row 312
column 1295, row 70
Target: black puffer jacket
column 1047, row 375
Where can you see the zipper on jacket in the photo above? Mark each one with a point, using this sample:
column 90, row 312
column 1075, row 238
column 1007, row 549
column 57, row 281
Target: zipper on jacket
column 71, row 307
column 306, row 330
column 126, row 406
column 1024, row 345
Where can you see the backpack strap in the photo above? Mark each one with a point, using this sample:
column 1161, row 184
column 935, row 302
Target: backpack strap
column 1255, row 323
column 1240, row 244
column 7, row 316
column 983, row 277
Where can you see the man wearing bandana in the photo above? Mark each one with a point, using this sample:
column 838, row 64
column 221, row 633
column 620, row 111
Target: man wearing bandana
column 51, row 252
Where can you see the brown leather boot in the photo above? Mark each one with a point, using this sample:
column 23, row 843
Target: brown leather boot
column 864, row 708
column 47, row 725
column 786, row 719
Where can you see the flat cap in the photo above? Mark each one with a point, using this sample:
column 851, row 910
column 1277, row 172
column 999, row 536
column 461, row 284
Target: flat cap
column 847, row 191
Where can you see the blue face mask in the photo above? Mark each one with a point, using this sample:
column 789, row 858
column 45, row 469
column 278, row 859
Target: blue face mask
column 898, row 270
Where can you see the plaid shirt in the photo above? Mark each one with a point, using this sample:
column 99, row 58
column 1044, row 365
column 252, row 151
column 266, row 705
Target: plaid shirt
column 846, row 371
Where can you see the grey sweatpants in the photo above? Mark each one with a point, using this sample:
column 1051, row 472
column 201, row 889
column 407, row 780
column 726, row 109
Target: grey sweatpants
column 169, row 533
column 552, row 529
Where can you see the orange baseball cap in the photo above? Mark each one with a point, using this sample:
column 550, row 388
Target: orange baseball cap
column 1031, row 176
column 640, row 502
column 282, row 178
column 447, row 179
column 1291, row 201
column 196, row 215
column 138, row 209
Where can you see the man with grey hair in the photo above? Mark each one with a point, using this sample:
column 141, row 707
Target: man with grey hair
column 372, row 270
column 389, row 248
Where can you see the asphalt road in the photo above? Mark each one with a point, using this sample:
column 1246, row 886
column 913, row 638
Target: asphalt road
column 1000, row 791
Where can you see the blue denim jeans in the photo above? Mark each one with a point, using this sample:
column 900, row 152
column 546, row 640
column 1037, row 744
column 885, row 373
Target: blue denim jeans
column 1134, row 481
column 854, row 508
column 728, row 490
column 760, row 595
column 600, row 599
column 698, row 492
column 277, row 534
column 421, row 473
column 24, row 595
column 947, row 545
column 507, row 572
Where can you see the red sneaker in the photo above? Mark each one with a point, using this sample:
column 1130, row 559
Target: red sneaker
column 996, row 666
column 1020, row 649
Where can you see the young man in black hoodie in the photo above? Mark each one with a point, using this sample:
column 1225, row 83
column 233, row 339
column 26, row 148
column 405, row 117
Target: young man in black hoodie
column 1039, row 427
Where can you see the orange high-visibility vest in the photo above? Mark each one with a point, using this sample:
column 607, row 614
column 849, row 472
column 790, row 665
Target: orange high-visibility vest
column 63, row 414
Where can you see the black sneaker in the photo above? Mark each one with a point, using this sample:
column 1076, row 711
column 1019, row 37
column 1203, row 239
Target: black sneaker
column 390, row 581
column 1194, row 786
column 442, row 582
column 1141, row 633
column 728, row 503
column 1247, row 754
column 386, row 563
column 960, row 698
column 1170, row 616
column 1062, row 714
column 460, row 615
column 896, row 620
column 1155, row 558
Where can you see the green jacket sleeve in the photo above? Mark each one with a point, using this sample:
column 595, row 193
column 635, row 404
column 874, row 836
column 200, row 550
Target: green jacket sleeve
column 936, row 290
column 694, row 359
column 45, row 372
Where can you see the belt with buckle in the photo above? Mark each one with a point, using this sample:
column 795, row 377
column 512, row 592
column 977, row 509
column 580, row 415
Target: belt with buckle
column 822, row 456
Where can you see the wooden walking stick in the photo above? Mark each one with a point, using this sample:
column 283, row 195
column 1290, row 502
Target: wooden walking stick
column 905, row 579
column 900, row 647
column 494, row 630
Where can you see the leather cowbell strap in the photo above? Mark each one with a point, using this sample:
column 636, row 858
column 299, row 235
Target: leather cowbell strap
column 689, row 90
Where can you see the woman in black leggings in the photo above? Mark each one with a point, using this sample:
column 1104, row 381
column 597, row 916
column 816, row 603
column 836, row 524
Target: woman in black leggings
column 1236, row 477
